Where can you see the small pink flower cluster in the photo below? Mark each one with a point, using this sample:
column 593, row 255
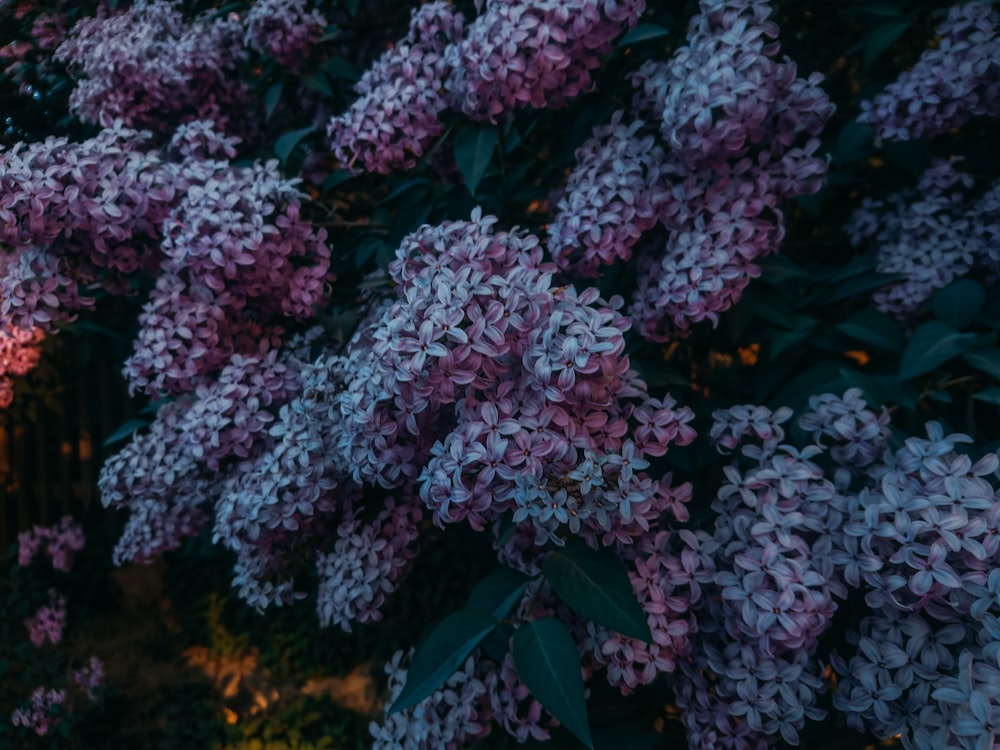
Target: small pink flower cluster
column 59, row 542
column 365, row 564
column 90, row 678
column 518, row 53
column 48, row 622
column 284, row 29
column 537, row 53
column 150, row 68
column 20, row 351
column 402, row 96
column 741, row 131
column 41, row 716
column 932, row 235
column 957, row 80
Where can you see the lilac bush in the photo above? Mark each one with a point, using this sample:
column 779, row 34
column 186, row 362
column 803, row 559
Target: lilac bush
column 325, row 414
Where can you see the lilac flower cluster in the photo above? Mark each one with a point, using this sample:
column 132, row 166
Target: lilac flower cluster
column 42, row 714
column 90, row 678
column 20, row 351
column 495, row 391
column 612, row 197
column 741, row 131
column 450, row 718
column 58, row 542
column 950, row 84
column 238, row 257
column 517, row 53
column 537, row 53
column 365, row 563
column 73, row 214
column 284, row 29
column 151, row 69
column 48, row 622
column 932, row 236
column 402, row 96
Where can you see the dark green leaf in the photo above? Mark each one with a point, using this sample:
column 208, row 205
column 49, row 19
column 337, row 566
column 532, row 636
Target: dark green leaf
column 875, row 393
column 443, row 651
column 933, row 344
column 880, row 39
column 332, row 31
column 474, row 146
column 316, row 80
column 768, row 304
column 498, row 592
column 352, row 6
column 405, row 187
column 782, row 341
column 548, row 664
column 272, row 97
column 642, row 33
column 595, row 583
column 989, row 396
column 336, row 178
column 125, row 431
column 287, row 143
column 875, row 328
column 960, row 303
column 852, row 142
column 822, row 377
column 985, row 360
column 857, row 265
column 338, row 67
column 889, row 10
column 778, row 269
column 859, row 284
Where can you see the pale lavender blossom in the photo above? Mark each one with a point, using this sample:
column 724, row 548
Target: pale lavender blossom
column 949, row 85
column 284, row 29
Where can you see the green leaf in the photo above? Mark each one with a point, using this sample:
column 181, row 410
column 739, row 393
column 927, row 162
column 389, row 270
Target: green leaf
column 933, row 344
column 286, row 144
column 548, row 664
column 875, row 328
column 875, row 393
column 880, row 38
column 859, row 284
column 272, row 97
column 888, row 10
column 474, row 146
column 352, row 6
column 852, row 142
column 960, row 303
column 595, row 583
column 642, row 33
column 335, row 178
column 443, row 651
column 989, row 396
column 422, row 182
column 316, row 80
column 985, row 360
column 339, row 67
column 332, row 31
column 782, row 341
column 498, row 592
column 769, row 305
column 125, row 431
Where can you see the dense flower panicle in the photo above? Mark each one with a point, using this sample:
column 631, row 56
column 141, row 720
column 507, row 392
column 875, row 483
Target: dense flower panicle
column 158, row 480
column 365, row 564
column 932, row 236
column 58, row 542
column 456, row 714
column 402, row 96
column 537, row 53
column 723, row 220
column 238, row 257
column 498, row 392
column 949, row 85
column 742, row 132
column 858, row 434
column 723, row 95
column 284, row 29
column 612, row 198
column 37, row 290
column 42, row 715
column 48, row 622
column 931, row 520
column 150, row 68
column 200, row 139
